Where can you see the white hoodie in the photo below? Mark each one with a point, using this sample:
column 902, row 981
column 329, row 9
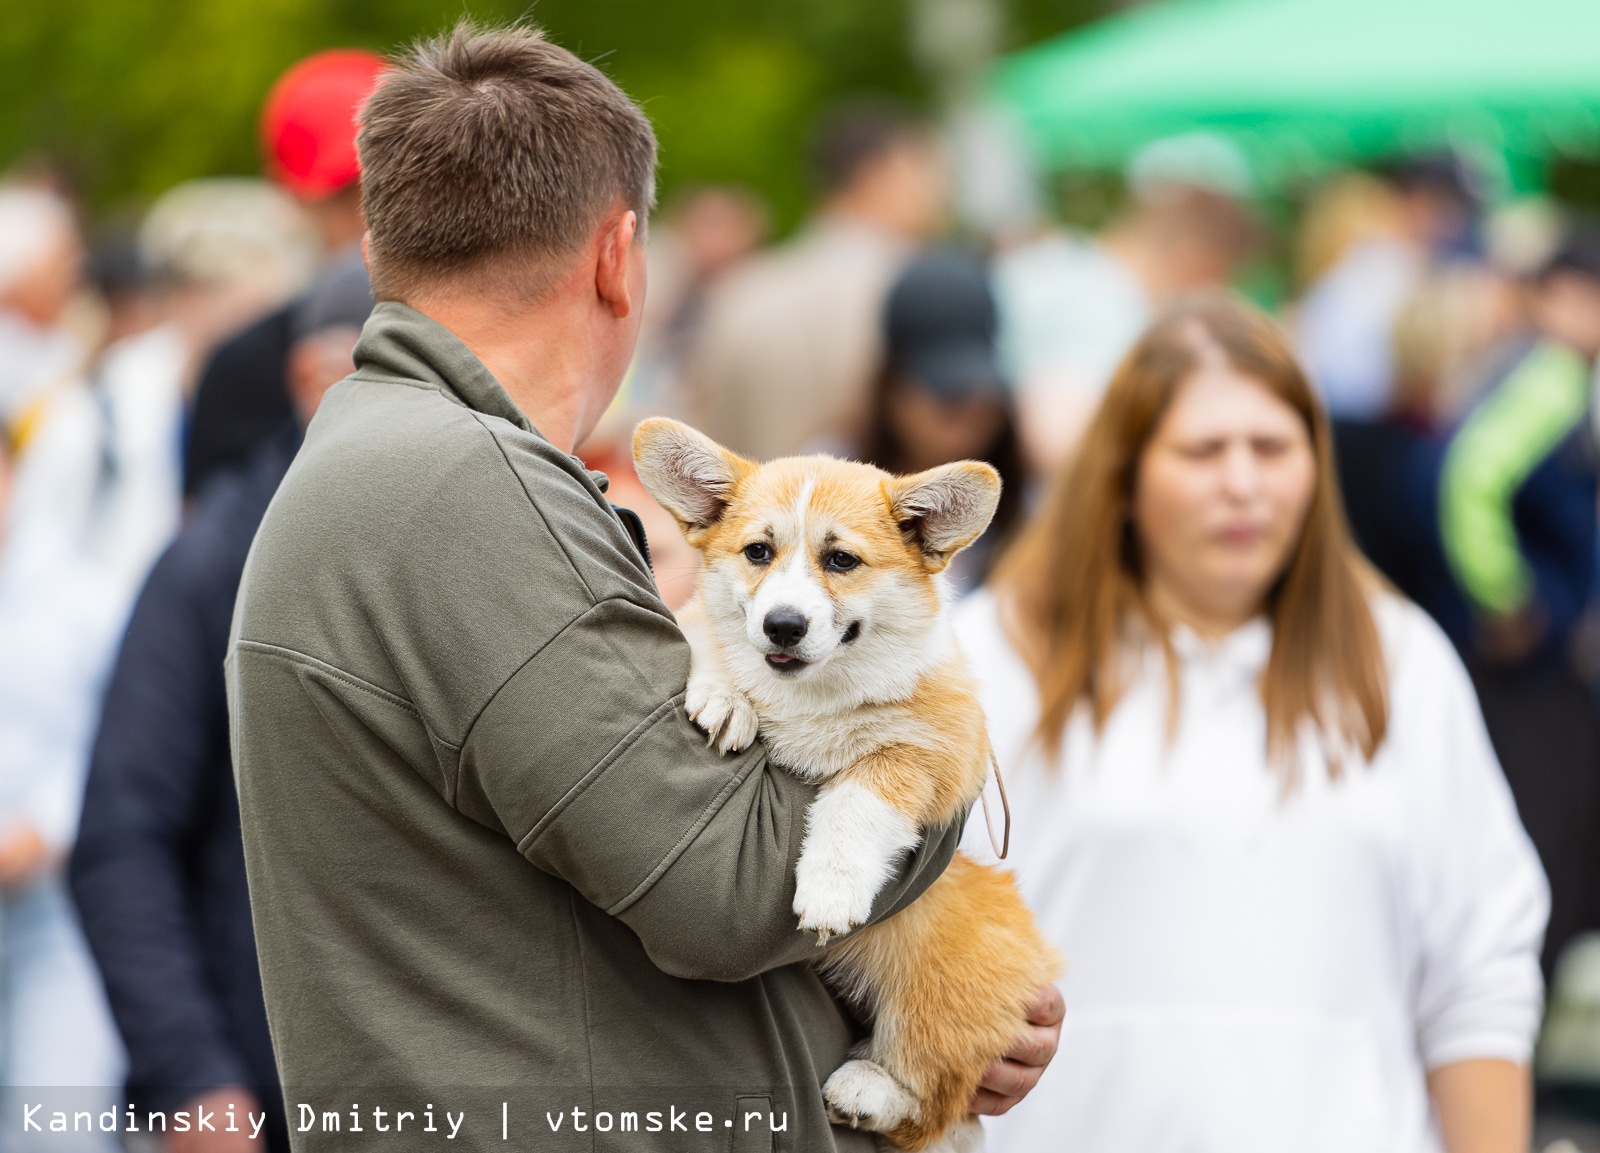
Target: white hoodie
column 1249, row 972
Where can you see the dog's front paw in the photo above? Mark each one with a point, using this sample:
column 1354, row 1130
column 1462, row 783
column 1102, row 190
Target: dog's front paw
column 862, row 1095
column 723, row 712
column 830, row 903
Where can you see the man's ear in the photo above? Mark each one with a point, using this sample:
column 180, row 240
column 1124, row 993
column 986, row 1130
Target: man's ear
column 611, row 282
column 945, row 509
column 689, row 474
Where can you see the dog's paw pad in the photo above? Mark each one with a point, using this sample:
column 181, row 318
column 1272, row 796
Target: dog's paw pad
column 861, row 1094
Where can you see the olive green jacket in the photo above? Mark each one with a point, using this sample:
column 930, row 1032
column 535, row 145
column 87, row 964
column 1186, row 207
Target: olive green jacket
column 495, row 871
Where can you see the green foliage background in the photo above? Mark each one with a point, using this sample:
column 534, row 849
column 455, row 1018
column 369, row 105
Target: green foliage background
column 132, row 96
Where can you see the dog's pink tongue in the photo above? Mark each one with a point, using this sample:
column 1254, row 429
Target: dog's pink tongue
column 780, row 658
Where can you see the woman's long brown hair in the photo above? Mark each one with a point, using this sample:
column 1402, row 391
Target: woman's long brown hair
column 1071, row 585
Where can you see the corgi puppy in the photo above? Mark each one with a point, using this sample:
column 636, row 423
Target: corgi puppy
column 818, row 621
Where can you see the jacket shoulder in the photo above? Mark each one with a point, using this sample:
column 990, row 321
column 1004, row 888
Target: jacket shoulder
column 429, row 549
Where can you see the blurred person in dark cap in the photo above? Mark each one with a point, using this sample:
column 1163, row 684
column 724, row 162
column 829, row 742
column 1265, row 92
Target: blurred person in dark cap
column 941, row 395
column 1516, row 507
column 790, row 340
column 1440, row 194
column 308, row 140
column 121, row 276
column 158, row 871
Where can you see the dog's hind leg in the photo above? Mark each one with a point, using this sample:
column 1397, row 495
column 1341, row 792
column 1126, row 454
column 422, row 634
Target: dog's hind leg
column 948, row 979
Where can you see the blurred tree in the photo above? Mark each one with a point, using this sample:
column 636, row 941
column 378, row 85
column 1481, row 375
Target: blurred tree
column 1035, row 20
column 129, row 96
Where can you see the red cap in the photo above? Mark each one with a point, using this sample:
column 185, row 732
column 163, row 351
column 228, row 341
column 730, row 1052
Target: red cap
column 308, row 125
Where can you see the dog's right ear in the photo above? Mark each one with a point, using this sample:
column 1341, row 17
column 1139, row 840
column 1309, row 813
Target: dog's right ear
column 689, row 474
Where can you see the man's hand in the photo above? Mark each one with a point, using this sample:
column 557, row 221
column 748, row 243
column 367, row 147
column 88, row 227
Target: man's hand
column 1508, row 638
column 1011, row 1078
column 217, row 1101
column 23, row 857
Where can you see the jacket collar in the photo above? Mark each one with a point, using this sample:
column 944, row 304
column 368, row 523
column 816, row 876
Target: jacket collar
column 400, row 343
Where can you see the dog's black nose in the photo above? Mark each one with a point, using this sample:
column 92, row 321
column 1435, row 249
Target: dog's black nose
column 785, row 627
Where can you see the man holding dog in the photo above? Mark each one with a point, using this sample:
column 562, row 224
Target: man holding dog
column 491, row 860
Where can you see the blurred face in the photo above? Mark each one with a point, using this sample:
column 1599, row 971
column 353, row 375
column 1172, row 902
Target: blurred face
column 1435, row 217
column 317, row 363
column 907, row 188
column 932, row 431
column 44, row 292
column 1220, row 495
column 1195, row 262
column 1566, row 307
column 719, row 228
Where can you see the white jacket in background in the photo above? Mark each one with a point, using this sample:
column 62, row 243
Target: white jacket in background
column 97, row 496
column 1249, row 971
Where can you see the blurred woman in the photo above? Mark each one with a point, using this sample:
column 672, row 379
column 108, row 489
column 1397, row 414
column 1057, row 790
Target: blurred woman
column 1253, row 798
column 941, row 396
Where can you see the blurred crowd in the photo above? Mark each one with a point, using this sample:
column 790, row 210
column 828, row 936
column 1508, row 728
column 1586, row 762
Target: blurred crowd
column 154, row 381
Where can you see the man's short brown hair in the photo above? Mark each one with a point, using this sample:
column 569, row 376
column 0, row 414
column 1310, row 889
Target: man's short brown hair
column 493, row 154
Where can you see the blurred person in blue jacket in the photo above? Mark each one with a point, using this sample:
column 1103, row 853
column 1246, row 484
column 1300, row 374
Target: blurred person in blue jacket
column 96, row 497
column 308, row 143
column 1517, row 522
column 158, row 871
column 1517, row 494
column 1450, row 340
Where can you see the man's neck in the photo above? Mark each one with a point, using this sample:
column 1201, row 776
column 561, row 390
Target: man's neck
column 540, row 354
column 561, row 355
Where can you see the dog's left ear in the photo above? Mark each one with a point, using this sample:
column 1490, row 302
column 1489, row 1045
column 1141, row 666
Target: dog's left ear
column 945, row 509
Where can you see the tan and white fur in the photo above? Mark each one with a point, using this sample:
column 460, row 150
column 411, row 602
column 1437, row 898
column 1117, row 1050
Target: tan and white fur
column 819, row 622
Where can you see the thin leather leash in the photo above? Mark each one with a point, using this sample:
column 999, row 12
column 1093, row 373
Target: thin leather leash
column 1003, row 845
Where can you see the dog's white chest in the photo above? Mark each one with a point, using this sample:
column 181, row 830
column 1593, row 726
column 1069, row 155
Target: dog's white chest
column 817, row 746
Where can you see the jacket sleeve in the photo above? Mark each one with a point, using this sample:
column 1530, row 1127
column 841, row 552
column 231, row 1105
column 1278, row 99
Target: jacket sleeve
column 158, row 760
column 1480, row 894
column 586, row 757
column 1504, row 440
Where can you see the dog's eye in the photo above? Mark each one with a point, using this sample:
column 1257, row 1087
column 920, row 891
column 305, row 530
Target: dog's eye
column 837, row 561
column 759, row 552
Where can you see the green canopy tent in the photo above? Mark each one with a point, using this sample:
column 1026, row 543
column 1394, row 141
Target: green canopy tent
column 1300, row 85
